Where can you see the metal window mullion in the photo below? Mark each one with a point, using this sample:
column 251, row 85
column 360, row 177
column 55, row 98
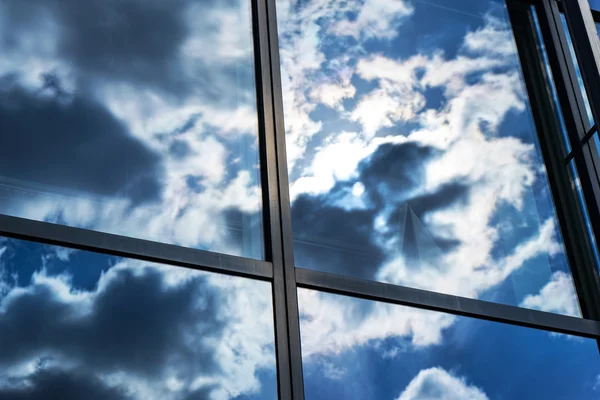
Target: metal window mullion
column 586, row 44
column 130, row 247
column 440, row 302
column 278, row 216
column 585, row 155
column 578, row 245
column 285, row 210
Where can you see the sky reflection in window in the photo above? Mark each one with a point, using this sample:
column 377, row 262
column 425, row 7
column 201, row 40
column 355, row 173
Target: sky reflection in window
column 363, row 350
column 412, row 153
column 81, row 325
column 132, row 117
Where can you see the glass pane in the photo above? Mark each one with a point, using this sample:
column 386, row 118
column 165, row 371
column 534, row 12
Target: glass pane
column 412, row 153
column 594, row 4
column 415, row 354
column 81, row 325
column 586, row 101
column 134, row 117
column 551, row 85
column 588, row 223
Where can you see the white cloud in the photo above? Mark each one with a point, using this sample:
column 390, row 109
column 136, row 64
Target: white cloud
column 332, row 95
column 493, row 38
column 437, row 384
column 332, row 324
column 336, row 159
column 557, row 296
column 386, row 106
column 376, row 18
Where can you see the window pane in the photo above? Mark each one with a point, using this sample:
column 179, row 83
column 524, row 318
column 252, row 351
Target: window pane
column 412, row 153
column 576, row 182
column 578, row 72
column 416, row 354
column 551, row 85
column 81, row 325
column 134, row 117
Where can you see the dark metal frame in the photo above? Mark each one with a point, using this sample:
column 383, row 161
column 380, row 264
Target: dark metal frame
column 279, row 268
column 579, row 247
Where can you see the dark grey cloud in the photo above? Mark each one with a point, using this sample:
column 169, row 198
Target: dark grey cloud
column 136, row 324
column 201, row 394
column 76, row 145
column 52, row 383
column 419, row 242
column 397, row 167
column 332, row 239
column 135, row 41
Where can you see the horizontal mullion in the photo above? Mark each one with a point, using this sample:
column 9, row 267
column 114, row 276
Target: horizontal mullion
column 586, row 138
column 400, row 295
column 124, row 246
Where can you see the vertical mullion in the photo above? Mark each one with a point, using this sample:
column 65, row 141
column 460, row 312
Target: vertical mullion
column 579, row 247
column 270, row 190
column 587, row 49
column 573, row 107
column 276, row 196
column 567, row 208
column 289, row 273
column 586, row 156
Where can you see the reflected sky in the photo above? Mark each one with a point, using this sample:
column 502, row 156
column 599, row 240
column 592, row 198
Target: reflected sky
column 412, row 153
column 80, row 325
column 424, row 355
column 132, row 117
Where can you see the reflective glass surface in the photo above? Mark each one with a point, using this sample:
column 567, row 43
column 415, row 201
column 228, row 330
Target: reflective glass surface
column 358, row 349
column 134, row 117
column 80, row 325
column 412, row 154
column 586, row 101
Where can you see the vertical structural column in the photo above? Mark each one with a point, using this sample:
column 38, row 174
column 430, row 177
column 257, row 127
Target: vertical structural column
column 277, row 214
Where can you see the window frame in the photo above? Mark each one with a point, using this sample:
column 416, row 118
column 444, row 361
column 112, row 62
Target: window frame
column 278, row 267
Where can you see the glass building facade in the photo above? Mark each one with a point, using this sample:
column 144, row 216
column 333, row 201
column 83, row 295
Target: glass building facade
column 299, row 199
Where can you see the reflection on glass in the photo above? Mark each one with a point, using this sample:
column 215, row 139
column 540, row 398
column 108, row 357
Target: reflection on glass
column 586, row 101
column 424, row 355
column 588, row 223
column 80, row 325
column 412, row 153
column 551, row 85
column 132, row 117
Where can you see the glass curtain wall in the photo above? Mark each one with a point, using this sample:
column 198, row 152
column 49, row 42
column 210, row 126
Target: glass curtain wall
column 297, row 199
